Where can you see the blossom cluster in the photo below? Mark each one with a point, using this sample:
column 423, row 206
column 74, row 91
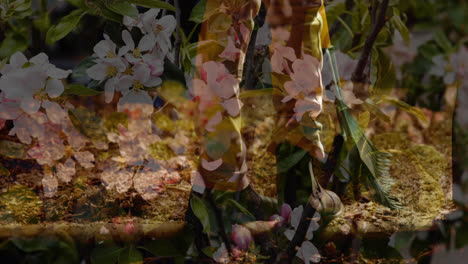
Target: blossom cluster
column 28, row 89
column 31, row 98
column 132, row 68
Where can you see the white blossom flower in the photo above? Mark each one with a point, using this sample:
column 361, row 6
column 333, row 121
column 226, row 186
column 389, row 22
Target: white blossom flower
column 28, row 81
column 306, row 87
column 146, row 17
column 161, row 30
column 105, row 48
column 109, row 69
column 130, row 52
column 137, row 98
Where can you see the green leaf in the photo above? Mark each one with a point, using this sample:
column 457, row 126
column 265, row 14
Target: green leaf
column 418, row 113
column 111, row 15
column 288, row 162
column 153, row 4
column 80, row 70
column 201, row 211
column 241, row 208
column 78, row 3
column 376, row 163
column 402, row 239
column 198, row 12
column 202, row 47
column 374, row 109
column 334, row 10
column 65, row 26
column 311, row 129
column 442, row 40
column 383, row 73
column 204, row 10
column 13, row 150
column 400, row 26
column 12, row 43
column 360, row 17
column 123, row 8
column 78, row 89
column 220, row 22
column 105, row 254
column 43, row 23
column 130, row 255
column 21, row 5
column 29, row 245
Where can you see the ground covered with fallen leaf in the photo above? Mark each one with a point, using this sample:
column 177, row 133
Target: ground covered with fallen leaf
column 421, row 169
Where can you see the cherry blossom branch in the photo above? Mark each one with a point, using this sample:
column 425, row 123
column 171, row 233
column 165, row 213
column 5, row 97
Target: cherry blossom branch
column 358, row 74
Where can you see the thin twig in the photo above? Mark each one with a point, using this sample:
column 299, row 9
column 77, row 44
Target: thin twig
column 358, row 74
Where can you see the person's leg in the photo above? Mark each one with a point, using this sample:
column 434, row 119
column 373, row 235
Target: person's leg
column 296, row 62
column 224, row 38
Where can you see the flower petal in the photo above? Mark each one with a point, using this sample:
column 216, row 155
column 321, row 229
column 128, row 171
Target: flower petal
column 296, row 216
column 233, row 106
column 289, row 234
column 308, row 253
column 17, row 60
column 30, row 105
column 54, row 88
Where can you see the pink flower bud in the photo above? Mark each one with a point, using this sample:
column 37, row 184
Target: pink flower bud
column 285, row 211
column 241, row 236
column 130, row 228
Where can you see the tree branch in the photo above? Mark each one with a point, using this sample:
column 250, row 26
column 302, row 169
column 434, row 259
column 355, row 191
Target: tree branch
column 358, row 74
